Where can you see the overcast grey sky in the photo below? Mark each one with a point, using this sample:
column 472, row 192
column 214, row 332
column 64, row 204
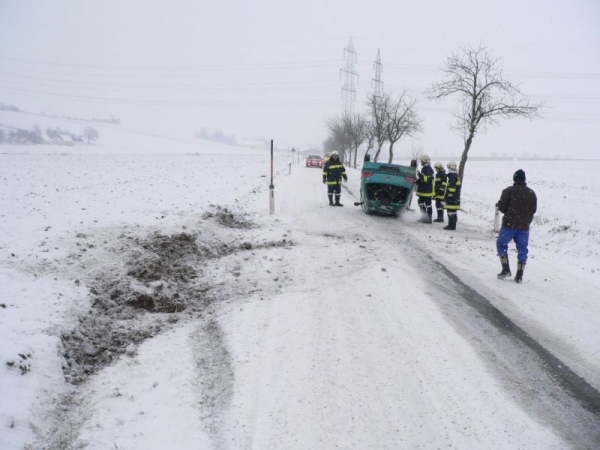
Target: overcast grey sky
column 266, row 68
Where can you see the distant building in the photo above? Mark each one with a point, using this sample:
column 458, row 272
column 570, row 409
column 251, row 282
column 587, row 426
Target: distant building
column 64, row 139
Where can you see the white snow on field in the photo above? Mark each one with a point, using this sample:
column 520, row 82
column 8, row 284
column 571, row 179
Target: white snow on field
column 310, row 328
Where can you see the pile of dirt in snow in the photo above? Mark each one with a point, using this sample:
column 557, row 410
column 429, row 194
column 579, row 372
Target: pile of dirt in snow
column 160, row 282
column 226, row 218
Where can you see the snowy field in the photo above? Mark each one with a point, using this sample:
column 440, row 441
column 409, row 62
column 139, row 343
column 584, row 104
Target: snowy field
column 149, row 301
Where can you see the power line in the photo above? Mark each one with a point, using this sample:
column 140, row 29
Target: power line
column 173, row 67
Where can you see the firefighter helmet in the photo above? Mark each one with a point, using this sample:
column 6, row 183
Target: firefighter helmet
column 335, row 153
column 425, row 159
column 451, row 165
column 438, row 166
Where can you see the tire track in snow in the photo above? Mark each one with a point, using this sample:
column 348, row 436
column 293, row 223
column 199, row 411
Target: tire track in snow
column 545, row 385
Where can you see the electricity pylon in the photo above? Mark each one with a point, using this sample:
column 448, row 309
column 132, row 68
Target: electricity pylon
column 349, row 88
column 376, row 82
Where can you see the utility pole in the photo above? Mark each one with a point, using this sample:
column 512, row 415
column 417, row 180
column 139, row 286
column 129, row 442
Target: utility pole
column 349, row 89
column 376, row 82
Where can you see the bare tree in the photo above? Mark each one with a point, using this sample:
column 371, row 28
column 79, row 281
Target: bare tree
column 91, row 134
column 355, row 128
column 402, row 119
column 484, row 94
column 339, row 135
column 416, row 151
column 378, row 107
column 329, row 144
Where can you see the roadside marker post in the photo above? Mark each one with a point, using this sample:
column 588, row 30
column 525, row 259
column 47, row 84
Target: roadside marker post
column 271, row 186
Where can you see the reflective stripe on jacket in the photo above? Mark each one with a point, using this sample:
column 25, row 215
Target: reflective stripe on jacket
column 439, row 184
column 425, row 182
column 333, row 172
column 453, row 186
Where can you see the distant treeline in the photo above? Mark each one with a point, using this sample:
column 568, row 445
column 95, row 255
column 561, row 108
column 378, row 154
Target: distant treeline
column 112, row 119
column 5, row 107
column 61, row 136
column 215, row 136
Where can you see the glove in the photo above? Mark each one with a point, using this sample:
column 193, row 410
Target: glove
column 324, row 181
column 346, row 180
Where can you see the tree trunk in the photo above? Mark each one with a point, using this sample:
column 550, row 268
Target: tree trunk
column 391, row 150
column 463, row 158
column 379, row 146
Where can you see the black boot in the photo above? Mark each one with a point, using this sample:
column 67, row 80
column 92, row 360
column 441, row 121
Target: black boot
column 440, row 215
column 452, row 219
column 330, row 199
column 428, row 214
column 519, row 275
column 337, row 201
column 505, row 268
column 423, row 217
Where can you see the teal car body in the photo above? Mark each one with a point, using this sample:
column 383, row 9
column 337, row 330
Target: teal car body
column 386, row 189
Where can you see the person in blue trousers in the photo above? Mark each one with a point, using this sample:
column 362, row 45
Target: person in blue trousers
column 518, row 203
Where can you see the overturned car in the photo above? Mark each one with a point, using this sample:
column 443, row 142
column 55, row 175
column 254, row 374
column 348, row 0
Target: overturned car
column 386, row 189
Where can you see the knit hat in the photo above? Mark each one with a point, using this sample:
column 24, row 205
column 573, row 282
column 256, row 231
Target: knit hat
column 519, row 176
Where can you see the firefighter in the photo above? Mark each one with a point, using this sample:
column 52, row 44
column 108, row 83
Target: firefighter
column 440, row 190
column 452, row 198
column 333, row 172
column 425, row 190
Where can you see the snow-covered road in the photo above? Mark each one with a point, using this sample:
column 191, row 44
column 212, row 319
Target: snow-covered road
column 361, row 351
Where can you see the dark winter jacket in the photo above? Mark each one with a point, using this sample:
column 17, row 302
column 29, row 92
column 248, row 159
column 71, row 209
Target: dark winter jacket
column 439, row 187
column 452, row 198
column 518, row 203
column 334, row 171
column 425, row 182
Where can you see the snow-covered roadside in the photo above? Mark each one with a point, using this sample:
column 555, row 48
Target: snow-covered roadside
column 556, row 303
column 63, row 219
column 311, row 345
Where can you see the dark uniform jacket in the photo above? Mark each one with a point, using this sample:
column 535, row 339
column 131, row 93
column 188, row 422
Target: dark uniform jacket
column 518, row 203
column 453, row 186
column 425, row 182
column 439, row 187
column 333, row 172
